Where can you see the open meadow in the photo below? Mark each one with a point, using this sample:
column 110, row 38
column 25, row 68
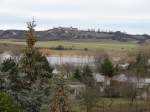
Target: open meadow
column 80, row 45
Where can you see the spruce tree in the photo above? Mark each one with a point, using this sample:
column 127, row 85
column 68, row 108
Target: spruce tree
column 37, row 72
column 60, row 101
column 33, row 63
column 77, row 74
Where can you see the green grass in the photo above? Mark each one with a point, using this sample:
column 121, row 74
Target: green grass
column 81, row 45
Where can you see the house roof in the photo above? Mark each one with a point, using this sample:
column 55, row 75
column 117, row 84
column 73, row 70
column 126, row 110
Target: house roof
column 98, row 77
column 147, row 80
column 120, row 78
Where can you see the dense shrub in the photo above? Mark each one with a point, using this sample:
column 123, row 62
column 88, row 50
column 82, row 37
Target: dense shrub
column 61, row 47
column 7, row 104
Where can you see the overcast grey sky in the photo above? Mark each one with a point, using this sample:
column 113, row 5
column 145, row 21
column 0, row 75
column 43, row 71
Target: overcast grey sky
column 132, row 16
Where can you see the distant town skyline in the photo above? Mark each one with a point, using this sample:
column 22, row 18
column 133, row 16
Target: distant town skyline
column 131, row 16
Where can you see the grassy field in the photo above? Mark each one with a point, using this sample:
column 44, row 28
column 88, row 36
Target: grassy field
column 118, row 105
column 81, row 45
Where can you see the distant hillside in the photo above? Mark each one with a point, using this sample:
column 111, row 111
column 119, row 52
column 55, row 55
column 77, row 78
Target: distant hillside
column 62, row 33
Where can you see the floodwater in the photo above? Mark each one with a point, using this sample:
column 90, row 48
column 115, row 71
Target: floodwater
column 77, row 60
column 58, row 60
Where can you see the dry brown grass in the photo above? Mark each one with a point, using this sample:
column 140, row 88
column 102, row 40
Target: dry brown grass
column 15, row 49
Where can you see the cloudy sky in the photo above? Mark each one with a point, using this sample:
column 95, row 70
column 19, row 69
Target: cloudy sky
column 132, row 16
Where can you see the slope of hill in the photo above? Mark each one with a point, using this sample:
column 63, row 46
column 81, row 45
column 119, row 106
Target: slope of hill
column 70, row 33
